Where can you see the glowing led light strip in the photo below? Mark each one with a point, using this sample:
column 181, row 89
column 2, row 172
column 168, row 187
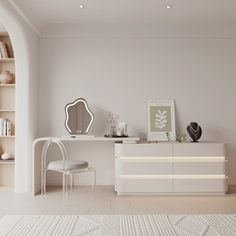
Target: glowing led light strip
column 173, row 177
column 173, row 159
column 72, row 104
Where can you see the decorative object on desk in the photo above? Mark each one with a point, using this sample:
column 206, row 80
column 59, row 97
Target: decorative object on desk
column 79, row 118
column 168, row 136
column 195, row 131
column 161, row 120
column 113, row 130
column 6, row 77
column 112, row 119
column 121, row 129
column 5, row 156
column 182, row 138
column 115, row 136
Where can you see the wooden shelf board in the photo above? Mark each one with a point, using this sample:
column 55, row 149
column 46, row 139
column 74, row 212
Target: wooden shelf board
column 6, row 110
column 7, row 59
column 9, row 136
column 7, row 85
column 11, row 161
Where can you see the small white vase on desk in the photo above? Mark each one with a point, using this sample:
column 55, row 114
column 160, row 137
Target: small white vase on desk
column 5, row 156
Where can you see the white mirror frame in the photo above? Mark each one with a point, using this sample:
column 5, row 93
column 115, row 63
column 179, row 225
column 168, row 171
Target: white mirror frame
column 87, row 108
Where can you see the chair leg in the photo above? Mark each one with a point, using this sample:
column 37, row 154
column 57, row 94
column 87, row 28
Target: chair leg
column 71, row 182
column 63, row 183
column 44, row 181
column 66, row 183
column 65, row 193
column 94, row 180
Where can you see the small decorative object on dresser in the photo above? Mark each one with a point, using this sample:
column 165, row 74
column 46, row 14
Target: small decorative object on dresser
column 6, row 77
column 161, row 120
column 182, row 138
column 195, row 131
column 5, row 156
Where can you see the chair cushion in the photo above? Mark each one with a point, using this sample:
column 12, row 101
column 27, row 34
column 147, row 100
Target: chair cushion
column 67, row 165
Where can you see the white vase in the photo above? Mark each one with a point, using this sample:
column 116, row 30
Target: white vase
column 6, row 77
column 5, row 156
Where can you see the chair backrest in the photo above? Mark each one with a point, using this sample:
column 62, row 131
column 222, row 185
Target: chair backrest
column 45, row 149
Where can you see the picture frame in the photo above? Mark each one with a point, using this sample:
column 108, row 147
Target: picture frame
column 161, row 120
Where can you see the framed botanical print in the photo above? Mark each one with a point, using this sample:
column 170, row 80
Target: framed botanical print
column 161, row 120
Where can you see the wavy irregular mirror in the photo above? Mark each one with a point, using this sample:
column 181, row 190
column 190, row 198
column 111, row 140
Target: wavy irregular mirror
column 79, row 118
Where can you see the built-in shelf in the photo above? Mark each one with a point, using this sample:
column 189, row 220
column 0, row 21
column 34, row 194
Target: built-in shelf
column 7, row 60
column 7, row 111
column 7, row 85
column 11, row 161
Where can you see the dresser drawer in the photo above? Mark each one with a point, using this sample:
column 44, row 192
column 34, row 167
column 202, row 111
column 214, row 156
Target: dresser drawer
column 143, row 186
column 199, row 149
column 142, row 168
column 199, row 168
column 199, row 185
column 143, row 150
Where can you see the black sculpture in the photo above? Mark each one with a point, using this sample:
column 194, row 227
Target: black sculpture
column 195, row 131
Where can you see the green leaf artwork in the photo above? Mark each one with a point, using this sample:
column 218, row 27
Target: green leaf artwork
column 160, row 118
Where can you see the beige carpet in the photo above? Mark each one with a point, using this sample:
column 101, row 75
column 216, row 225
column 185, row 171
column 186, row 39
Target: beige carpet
column 112, row 225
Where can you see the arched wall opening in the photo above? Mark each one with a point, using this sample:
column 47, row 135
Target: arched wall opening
column 26, row 50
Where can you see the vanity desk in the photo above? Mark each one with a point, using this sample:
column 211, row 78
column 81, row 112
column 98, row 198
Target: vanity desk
column 156, row 168
column 38, row 145
column 140, row 168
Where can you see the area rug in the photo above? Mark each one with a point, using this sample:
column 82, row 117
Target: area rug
column 114, row 225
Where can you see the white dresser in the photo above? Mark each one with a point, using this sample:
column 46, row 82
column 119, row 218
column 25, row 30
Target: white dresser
column 170, row 168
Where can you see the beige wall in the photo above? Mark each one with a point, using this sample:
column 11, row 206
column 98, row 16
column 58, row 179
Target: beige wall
column 120, row 72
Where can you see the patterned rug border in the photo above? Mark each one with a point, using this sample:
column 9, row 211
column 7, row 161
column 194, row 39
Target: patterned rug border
column 118, row 224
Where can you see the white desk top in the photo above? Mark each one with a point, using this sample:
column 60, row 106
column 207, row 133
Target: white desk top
column 89, row 138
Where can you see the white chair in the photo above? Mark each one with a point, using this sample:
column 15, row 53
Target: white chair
column 64, row 166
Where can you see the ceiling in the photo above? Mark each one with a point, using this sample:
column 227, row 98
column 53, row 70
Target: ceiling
column 214, row 13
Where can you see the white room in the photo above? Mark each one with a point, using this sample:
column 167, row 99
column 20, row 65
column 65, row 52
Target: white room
column 114, row 114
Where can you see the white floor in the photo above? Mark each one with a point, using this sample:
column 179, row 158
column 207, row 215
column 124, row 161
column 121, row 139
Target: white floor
column 105, row 201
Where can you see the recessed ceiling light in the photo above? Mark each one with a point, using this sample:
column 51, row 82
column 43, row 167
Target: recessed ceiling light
column 81, row 6
column 168, row 6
